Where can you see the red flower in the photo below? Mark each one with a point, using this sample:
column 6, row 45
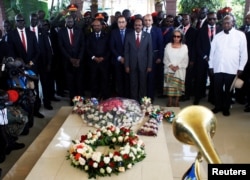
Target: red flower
column 101, row 164
column 80, row 146
column 125, row 156
column 116, row 153
column 77, row 156
column 83, row 138
column 91, row 162
column 112, row 164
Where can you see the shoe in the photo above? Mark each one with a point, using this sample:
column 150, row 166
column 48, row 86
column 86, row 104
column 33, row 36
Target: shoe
column 38, row 115
column 226, row 113
column 162, row 96
column 196, row 102
column 247, row 109
column 184, row 98
column 2, row 158
column 48, row 106
column 14, row 146
column 25, row 132
column 215, row 110
column 55, row 99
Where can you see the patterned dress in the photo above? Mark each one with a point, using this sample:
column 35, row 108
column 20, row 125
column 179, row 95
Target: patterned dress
column 174, row 82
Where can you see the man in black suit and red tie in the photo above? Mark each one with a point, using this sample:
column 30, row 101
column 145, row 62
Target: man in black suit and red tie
column 138, row 59
column 71, row 43
column 117, row 41
column 204, row 39
column 99, row 61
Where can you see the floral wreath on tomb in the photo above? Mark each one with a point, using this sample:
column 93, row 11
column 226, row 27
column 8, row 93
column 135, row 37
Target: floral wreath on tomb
column 121, row 112
column 169, row 116
column 83, row 154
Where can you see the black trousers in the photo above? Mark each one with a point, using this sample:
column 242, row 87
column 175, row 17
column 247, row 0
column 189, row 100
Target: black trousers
column 222, row 84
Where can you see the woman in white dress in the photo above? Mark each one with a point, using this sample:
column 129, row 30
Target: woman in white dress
column 175, row 63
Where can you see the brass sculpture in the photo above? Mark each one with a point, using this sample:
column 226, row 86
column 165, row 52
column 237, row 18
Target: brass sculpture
column 196, row 125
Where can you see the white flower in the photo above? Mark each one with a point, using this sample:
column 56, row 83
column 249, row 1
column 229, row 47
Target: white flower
column 102, row 170
column 121, row 169
column 108, row 169
column 106, row 160
column 111, row 155
column 113, row 139
column 120, row 138
column 95, row 164
column 86, row 167
column 97, row 156
column 109, row 133
column 117, row 158
column 129, row 166
column 82, row 161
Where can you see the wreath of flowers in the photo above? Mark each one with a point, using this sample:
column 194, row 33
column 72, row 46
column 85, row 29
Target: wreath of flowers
column 169, row 116
column 83, row 154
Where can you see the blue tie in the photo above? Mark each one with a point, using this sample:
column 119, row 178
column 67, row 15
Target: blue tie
column 122, row 35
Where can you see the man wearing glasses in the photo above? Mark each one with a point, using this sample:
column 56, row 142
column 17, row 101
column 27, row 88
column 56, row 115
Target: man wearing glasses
column 117, row 41
column 204, row 39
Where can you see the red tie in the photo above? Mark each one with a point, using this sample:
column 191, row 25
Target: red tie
column 23, row 40
column 71, row 36
column 137, row 41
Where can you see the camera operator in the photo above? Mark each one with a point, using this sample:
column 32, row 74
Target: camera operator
column 7, row 143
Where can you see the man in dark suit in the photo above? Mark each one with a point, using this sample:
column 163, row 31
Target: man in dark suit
column 244, row 92
column 99, row 63
column 71, row 42
column 23, row 44
column 117, row 41
column 190, row 40
column 155, row 77
column 204, row 39
column 43, row 63
column 138, row 59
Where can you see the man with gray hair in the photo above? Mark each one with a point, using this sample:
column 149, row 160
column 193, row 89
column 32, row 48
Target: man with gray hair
column 228, row 57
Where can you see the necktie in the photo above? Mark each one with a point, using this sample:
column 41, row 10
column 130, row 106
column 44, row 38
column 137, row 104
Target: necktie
column 137, row 41
column 212, row 33
column 97, row 35
column 246, row 28
column 147, row 30
column 122, row 36
column 33, row 29
column 184, row 30
column 71, row 36
column 23, row 41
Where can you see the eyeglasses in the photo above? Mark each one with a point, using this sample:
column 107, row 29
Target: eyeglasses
column 210, row 19
column 177, row 36
column 169, row 21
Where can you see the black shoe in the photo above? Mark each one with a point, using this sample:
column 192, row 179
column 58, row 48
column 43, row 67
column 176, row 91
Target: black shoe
column 226, row 113
column 55, row 99
column 247, row 109
column 2, row 158
column 215, row 110
column 14, row 146
column 38, row 115
column 184, row 98
column 48, row 106
column 162, row 96
column 196, row 102
column 25, row 132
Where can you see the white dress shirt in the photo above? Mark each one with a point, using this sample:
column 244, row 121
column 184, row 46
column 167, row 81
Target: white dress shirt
column 228, row 52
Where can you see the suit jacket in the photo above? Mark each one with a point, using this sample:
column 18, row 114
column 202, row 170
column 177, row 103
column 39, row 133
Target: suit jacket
column 45, row 56
column 203, row 42
column 99, row 47
column 17, row 50
column 190, row 40
column 116, row 46
column 69, row 51
column 157, row 42
column 141, row 56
